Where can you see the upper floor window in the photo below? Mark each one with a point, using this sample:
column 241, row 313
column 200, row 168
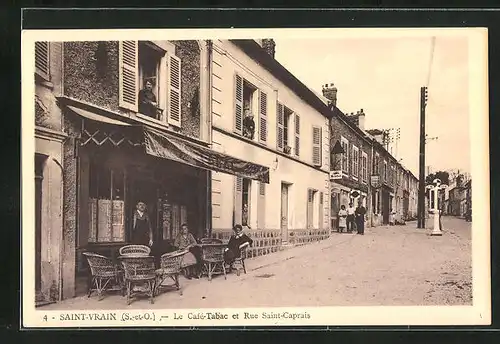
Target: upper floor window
column 364, row 167
column 150, row 81
column 316, row 152
column 355, row 161
column 287, row 130
column 42, row 60
column 385, row 170
column 376, row 164
column 345, row 157
column 250, row 105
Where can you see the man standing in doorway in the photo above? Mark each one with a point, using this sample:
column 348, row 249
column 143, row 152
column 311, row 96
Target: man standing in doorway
column 350, row 218
column 360, row 218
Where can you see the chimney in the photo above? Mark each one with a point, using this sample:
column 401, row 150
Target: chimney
column 330, row 93
column 269, row 46
column 361, row 120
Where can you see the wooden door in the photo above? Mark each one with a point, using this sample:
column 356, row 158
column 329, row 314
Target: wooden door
column 284, row 212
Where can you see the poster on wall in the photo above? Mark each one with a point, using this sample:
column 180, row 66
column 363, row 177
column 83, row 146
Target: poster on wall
column 104, row 220
column 118, row 220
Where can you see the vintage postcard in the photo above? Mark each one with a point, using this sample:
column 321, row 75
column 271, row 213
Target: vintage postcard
column 255, row 177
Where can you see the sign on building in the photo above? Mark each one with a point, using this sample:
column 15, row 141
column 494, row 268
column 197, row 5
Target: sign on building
column 375, row 181
column 335, row 175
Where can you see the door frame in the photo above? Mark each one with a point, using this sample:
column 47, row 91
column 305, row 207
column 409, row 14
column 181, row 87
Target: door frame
column 285, row 230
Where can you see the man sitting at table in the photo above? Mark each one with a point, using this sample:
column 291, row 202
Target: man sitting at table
column 237, row 242
column 192, row 260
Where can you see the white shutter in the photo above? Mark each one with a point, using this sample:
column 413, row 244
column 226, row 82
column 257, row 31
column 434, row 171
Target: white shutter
column 238, row 199
column 129, row 74
column 238, row 104
column 42, row 59
column 297, row 134
column 262, row 117
column 174, row 90
column 261, row 208
column 280, row 128
column 316, row 154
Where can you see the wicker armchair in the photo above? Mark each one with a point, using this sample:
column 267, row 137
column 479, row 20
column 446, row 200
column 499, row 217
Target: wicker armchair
column 240, row 261
column 135, row 250
column 105, row 274
column 210, row 241
column 170, row 266
column 213, row 259
column 139, row 272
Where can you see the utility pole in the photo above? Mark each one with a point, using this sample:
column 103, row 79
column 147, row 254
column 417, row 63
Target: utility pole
column 421, row 178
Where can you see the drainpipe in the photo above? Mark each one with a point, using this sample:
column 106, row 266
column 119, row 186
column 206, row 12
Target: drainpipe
column 371, row 191
column 208, row 84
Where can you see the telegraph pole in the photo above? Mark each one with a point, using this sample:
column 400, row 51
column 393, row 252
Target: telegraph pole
column 421, row 178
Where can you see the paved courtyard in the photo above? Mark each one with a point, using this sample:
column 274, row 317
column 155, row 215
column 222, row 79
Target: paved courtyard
column 390, row 266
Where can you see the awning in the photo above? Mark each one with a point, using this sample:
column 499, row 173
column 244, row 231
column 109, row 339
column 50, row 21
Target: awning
column 167, row 146
column 95, row 117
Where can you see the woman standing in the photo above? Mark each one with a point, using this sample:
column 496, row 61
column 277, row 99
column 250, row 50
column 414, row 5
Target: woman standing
column 142, row 232
column 342, row 218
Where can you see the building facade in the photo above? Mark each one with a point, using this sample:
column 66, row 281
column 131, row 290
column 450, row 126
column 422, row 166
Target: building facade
column 263, row 113
column 119, row 122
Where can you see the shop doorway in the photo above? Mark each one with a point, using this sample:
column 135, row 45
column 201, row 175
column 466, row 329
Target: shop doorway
column 385, row 207
column 147, row 191
column 39, row 163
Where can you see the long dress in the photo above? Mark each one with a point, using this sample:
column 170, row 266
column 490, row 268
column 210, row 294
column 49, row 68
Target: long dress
column 342, row 218
column 140, row 232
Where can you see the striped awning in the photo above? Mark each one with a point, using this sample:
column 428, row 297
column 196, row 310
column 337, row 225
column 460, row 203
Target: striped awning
column 163, row 145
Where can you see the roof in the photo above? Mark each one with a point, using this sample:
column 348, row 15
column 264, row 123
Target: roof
column 255, row 51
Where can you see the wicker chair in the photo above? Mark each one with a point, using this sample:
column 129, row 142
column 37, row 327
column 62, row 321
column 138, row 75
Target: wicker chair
column 170, row 266
column 240, row 261
column 135, row 250
column 139, row 272
column 213, row 259
column 104, row 273
column 210, row 241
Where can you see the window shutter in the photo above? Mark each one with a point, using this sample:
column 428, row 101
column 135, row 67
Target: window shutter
column 174, row 90
column 42, row 59
column 309, row 213
column 320, row 219
column 316, row 155
column 238, row 199
column 280, row 127
column 297, row 134
column 261, row 217
column 128, row 76
column 263, row 116
column 238, row 104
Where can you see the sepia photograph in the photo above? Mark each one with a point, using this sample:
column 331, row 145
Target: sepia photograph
column 255, row 177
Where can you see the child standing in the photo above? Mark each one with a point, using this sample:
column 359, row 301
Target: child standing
column 342, row 218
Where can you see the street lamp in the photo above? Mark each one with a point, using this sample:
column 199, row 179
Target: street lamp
column 435, row 187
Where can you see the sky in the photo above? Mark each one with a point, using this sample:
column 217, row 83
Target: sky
column 383, row 77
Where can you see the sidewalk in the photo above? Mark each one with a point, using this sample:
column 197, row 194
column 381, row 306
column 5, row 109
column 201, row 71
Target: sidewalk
column 396, row 265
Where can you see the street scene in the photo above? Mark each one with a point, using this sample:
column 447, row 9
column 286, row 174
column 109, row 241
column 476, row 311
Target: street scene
column 384, row 267
column 225, row 173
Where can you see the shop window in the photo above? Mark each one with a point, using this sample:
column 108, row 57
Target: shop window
column 106, row 204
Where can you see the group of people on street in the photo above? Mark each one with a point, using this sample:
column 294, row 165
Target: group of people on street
column 352, row 218
column 142, row 234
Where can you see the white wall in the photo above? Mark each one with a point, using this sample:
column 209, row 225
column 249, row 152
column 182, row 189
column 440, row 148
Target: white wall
column 299, row 175
column 228, row 60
